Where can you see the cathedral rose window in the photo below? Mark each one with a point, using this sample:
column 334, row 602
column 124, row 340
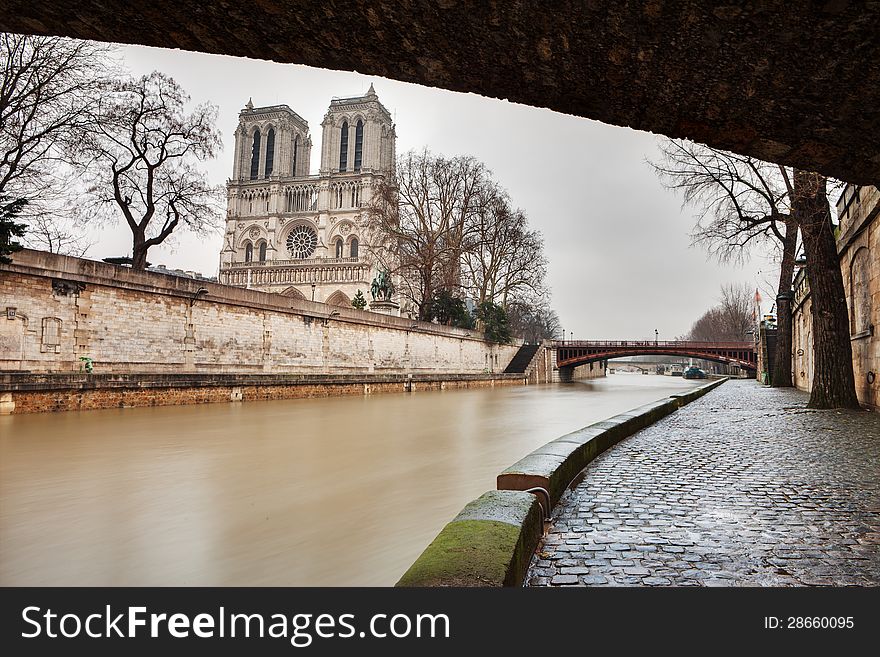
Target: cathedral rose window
column 302, row 242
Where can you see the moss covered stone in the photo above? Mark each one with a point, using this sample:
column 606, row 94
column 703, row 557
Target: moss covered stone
column 488, row 544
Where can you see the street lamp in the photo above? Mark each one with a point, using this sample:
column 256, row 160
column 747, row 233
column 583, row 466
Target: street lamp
column 313, row 291
column 656, row 337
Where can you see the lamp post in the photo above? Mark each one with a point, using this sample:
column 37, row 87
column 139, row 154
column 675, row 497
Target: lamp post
column 656, row 337
column 313, row 291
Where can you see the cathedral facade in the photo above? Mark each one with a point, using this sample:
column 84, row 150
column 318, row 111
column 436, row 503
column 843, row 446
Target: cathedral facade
column 302, row 235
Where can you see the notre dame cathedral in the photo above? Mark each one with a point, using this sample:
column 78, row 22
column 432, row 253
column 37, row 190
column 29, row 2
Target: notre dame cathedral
column 298, row 234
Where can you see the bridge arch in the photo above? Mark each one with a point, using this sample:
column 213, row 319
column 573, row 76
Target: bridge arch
column 574, row 354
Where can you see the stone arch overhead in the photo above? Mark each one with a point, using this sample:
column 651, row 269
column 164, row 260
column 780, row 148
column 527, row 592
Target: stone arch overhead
column 727, row 97
column 294, row 293
column 338, row 298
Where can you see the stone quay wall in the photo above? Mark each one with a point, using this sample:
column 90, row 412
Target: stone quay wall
column 59, row 310
column 22, row 392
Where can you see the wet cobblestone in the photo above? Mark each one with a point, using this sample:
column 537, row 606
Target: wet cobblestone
column 743, row 487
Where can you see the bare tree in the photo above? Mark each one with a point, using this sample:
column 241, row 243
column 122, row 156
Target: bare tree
column 421, row 223
column 741, row 202
column 47, row 88
column 50, row 233
column 144, row 162
column 505, row 259
column 534, row 320
column 833, row 379
column 728, row 320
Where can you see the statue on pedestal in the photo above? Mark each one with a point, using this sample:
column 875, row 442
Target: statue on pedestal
column 382, row 288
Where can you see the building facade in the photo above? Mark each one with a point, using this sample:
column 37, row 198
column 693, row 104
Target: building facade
column 858, row 249
column 302, row 235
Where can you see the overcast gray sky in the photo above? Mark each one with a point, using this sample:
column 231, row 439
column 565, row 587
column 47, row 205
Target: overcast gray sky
column 621, row 264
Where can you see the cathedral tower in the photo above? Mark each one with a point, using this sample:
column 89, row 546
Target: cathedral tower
column 298, row 234
column 358, row 136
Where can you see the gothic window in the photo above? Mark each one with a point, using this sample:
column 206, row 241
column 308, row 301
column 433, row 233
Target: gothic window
column 358, row 145
column 860, row 295
column 302, row 242
column 262, row 252
column 255, row 156
column 270, row 151
column 295, row 147
column 343, row 147
column 354, row 247
column 248, row 252
column 339, row 248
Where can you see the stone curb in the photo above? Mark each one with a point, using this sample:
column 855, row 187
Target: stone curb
column 491, row 542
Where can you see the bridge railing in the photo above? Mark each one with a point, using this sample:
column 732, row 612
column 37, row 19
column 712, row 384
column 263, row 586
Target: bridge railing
column 681, row 344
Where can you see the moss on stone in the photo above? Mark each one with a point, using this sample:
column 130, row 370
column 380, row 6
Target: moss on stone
column 466, row 553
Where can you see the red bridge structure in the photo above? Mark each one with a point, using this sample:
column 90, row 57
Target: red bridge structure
column 570, row 354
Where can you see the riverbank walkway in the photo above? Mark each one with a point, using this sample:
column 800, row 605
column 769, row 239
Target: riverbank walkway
column 743, row 487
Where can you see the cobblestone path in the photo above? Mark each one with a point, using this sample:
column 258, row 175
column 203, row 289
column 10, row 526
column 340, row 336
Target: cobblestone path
column 743, row 487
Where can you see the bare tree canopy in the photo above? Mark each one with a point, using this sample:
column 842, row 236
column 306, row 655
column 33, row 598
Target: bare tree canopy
column 144, row 158
column 729, row 320
column 421, row 221
column 505, row 259
column 445, row 226
column 741, row 202
column 534, row 321
column 49, row 85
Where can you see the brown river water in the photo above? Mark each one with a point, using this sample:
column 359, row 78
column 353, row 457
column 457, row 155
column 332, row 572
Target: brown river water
column 308, row 492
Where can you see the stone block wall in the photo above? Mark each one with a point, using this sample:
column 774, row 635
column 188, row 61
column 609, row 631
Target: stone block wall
column 58, row 309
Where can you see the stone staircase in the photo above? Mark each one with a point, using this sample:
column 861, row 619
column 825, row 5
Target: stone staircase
column 522, row 359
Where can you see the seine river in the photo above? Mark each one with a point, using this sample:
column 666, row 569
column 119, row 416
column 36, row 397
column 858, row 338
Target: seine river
column 312, row 492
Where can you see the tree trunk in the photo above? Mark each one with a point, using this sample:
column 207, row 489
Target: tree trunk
column 781, row 377
column 833, row 380
column 139, row 253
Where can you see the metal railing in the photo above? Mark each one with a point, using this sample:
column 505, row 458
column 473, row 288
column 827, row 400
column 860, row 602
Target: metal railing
column 682, row 344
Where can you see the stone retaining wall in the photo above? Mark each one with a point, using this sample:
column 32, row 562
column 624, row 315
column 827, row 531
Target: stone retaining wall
column 60, row 309
column 35, row 393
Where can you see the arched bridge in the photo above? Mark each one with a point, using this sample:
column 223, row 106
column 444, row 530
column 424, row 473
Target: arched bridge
column 571, row 354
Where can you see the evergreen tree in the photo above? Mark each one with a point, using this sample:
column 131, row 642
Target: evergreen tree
column 496, row 326
column 359, row 301
column 450, row 310
column 9, row 228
